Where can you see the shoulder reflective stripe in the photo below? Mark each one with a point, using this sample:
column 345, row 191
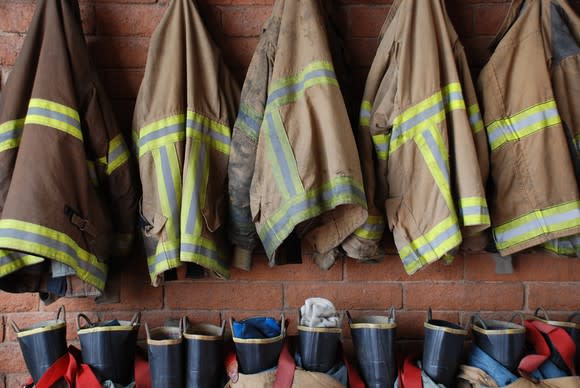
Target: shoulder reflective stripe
column 249, row 121
column 538, row 223
column 291, row 88
column 13, row 261
column 54, row 115
column 429, row 112
column 474, row 211
column 372, row 229
column 435, row 156
column 475, row 118
column 306, row 205
column 523, row 124
column 215, row 134
column 365, row 113
column 50, row 243
column 160, row 133
column 10, row 133
column 118, row 154
column 431, row 246
column 569, row 246
column 168, row 190
column 92, row 173
column 195, row 180
column 175, row 128
column 281, row 156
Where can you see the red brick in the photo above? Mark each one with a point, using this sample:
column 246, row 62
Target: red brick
column 464, row 296
column 554, row 296
column 305, row 271
column 11, row 360
column 15, row 17
column 244, row 21
column 356, row 296
column 362, row 50
column 367, row 21
column 18, row 302
column 119, row 52
column 238, row 51
column 120, row 20
column 391, row 268
column 224, row 295
column 488, row 18
column 527, row 267
column 16, row 380
column 10, row 45
column 410, row 323
column 25, row 320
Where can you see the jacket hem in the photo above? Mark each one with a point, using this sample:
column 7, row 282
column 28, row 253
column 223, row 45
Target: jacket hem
column 538, row 240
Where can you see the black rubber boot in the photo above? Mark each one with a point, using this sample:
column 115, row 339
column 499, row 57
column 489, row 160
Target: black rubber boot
column 318, row 347
column 204, row 354
column 42, row 344
column 109, row 347
column 442, row 349
column 165, row 350
column 373, row 338
column 503, row 341
column 256, row 355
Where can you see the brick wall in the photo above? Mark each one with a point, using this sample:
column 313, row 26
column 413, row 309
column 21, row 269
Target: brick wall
column 118, row 32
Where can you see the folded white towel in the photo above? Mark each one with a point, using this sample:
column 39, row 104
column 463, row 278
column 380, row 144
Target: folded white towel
column 318, row 312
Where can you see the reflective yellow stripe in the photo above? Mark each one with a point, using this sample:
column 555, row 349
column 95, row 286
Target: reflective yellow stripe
column 45, row 242
column 475, row 118
column 577, row 143
column 431, row 246
column 365, row 113
column 381, row 142
column 568, row 246
column 474, row 211
column 537, row 223
column 523, row 124
column 372, row 229
column 292, row 88
column 13, row 261
column 54, row 115
column 10, row 134
column 118, row 154
column 213, row 133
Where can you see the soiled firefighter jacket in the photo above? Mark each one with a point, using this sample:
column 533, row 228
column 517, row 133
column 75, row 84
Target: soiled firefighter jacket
column 67, row 194
column 530, row 93
column 185, row 109
column 294, row 167
column 421, row 138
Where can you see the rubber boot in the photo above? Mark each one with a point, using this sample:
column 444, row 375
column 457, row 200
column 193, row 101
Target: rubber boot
column 572, row 328
column 42, row 344
column 373, row 339
column 442, row 349
column 256, row 355
column 165, row 350
column 109, row 347
column 204, row 345
column 503, row 341
column 318, row 347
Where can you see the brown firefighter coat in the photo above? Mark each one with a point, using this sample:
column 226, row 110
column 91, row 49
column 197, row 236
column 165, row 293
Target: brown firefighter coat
column 530, row 94
column 185, row 109
column 294, row 168
column 422, row 144
column 67, row 195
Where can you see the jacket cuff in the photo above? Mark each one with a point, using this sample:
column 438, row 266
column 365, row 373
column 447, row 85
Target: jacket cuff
column 242, row 258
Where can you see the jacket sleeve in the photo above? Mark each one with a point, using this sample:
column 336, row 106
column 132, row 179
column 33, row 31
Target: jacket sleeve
column 112, row 169
column 242, row 231
column 469, row 148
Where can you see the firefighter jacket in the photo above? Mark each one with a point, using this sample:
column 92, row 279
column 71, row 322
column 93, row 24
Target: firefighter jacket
column 423, row 148
column 184, row 111
column 67, row 194
column 294, row 168
column 530, row 93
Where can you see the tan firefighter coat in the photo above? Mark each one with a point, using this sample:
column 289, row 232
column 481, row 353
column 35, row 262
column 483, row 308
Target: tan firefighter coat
column 67, row 194
column 422, row 142
column 294, row 167
column 185, row 109
column 530, row 93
